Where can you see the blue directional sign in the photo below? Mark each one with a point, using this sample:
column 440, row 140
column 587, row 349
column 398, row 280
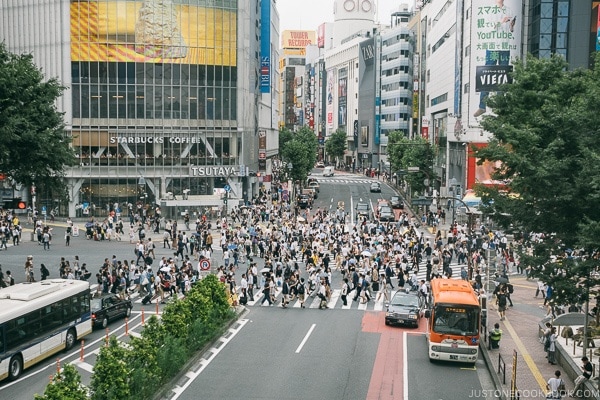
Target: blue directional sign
column 227, row 188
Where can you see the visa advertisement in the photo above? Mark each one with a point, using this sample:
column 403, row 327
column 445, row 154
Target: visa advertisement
column 496, row 43
column 174, row 31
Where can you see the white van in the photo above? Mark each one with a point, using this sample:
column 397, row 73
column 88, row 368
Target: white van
column 328, row 171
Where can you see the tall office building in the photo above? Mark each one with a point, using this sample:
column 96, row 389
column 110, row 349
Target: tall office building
column 565, row 27
column 154, row 96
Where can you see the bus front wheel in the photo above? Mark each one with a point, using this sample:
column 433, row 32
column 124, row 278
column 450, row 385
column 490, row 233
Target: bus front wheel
column 70, row 339
column 15, row 368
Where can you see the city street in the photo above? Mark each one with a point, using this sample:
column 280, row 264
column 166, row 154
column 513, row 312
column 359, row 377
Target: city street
column 345, row 352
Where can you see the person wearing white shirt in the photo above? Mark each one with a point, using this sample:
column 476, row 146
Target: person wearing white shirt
column 244, row 286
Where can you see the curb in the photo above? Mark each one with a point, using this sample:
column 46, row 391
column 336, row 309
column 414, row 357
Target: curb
column 193, row 363
column 490, row 366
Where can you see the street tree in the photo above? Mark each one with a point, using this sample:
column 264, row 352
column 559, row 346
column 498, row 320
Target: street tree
column 335, row 145
column 65, row 385
column 110, row 380
column 545, row 146
column 285, row 135
column 405, row 153
column 301, row 151
column 34, row 148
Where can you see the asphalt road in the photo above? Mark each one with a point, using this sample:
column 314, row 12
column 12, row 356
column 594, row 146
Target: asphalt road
column 275, row 353
column 330, row 354
column 291, row 354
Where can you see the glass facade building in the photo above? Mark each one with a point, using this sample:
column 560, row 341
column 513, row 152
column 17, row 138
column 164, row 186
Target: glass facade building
column 158, row 105
column 153, row 94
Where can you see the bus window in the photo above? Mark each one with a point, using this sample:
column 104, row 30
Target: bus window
column 456, row 320
column 2, row 349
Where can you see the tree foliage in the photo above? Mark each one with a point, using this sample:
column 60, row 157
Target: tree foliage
column 545, row 142
column 65, row 386
column 110, row 380
column 336, row 144
column 404, row 153
column 33, row 146
column 300, row 150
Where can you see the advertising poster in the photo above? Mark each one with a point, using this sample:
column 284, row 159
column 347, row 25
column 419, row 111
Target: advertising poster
column 364, row 136
column 342, row 97
column 152, row 31
column 496, row 44
column 597, row 6
column 330, row 83
column 297, row 39
column 321, row 36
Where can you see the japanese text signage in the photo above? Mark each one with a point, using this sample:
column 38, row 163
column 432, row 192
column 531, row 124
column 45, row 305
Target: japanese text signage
column 496, row 43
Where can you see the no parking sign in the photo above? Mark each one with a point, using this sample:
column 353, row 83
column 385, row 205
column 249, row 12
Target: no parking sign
column 204, row 265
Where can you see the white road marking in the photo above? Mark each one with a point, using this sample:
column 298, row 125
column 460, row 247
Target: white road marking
column 180, row 389
column 405, row 364
column 305, row 338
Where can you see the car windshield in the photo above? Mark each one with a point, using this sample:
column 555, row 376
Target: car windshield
column 386, row 209
column 456, row 319
column 96, row 304
column 362, row 207
column 404, row 300
column 395, row 198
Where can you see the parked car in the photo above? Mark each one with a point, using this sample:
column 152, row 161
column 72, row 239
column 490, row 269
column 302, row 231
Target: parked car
column 328, row 171
column 314, row 185
column 405, row 308
column 397, row 202
column 375, row 187
column 320, row 164
column 386, row 214
column 109, row 307
column 363, row 210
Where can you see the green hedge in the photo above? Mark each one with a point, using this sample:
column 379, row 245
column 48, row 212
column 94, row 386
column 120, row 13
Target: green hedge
column 139, row 369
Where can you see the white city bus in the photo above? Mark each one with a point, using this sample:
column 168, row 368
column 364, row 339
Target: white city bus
column 40, row 319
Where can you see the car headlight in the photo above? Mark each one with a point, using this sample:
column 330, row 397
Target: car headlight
column 389, row 314
column 412, row 316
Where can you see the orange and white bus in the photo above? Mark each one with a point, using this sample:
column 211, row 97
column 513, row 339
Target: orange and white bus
column 40, row 319
column 454, row 320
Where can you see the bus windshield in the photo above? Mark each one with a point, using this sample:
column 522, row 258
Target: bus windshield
column 456, row 320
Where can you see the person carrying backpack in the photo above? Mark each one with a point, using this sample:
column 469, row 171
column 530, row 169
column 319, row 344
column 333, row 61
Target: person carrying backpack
column 501, row 303
column 301, row 289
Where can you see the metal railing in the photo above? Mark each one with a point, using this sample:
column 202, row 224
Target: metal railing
column 502, row 368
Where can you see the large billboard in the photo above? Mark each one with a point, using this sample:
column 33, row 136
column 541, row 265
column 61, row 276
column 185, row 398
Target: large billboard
column 297, row 39
column 265, row 47
column 342, row 97
column 321, row 36
column 152, row 31
column 596, row 5
column 496, row 27
column 330, row 85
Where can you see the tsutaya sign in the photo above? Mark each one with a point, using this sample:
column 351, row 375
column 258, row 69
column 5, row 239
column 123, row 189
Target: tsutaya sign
column 215, row 171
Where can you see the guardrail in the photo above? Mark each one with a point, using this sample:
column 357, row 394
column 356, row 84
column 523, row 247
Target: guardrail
column 502, row 368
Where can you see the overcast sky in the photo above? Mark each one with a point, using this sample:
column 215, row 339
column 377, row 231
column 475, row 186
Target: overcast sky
column 309, row 14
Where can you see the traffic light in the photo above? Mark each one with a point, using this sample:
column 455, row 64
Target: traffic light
column 15, row 204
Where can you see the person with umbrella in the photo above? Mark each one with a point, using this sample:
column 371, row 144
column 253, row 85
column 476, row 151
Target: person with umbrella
column 501, row 303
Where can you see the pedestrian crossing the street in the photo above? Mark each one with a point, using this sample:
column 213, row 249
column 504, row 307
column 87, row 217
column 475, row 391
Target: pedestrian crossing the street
column 312, row 300
column 135, row 296
column 345, row 181
column 335, row 302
